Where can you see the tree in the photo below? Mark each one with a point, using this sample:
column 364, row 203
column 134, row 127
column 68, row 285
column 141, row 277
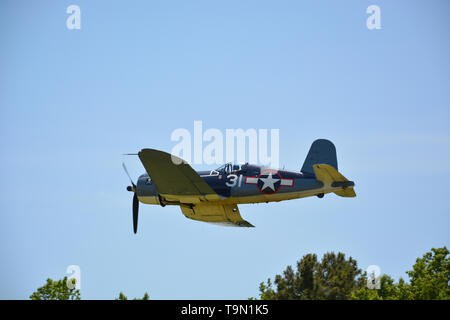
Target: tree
column 430, row 276
column 333, row 278
column 388, row 291
column 338, row 278
column 122, row 296
column 57, row 290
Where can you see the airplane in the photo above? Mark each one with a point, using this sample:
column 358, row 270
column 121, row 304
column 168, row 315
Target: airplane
column 213, row 196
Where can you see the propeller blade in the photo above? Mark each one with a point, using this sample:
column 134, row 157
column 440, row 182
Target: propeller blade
column 135, row 212
column 126, row 171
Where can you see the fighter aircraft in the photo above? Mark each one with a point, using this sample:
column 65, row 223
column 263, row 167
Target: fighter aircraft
column 213, row 196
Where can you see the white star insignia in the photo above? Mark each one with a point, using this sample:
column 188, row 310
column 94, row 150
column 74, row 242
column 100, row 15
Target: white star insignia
column 269, row 182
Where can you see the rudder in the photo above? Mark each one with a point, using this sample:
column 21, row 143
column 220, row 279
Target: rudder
column 321, row 151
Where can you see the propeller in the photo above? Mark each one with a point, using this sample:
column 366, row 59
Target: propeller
column 135, row 212
column 129, row 177
column 135, row 199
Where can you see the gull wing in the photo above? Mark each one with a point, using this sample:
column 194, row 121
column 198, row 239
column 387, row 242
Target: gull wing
column 174, row 179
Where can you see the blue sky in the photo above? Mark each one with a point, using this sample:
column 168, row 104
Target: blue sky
column 73, row 101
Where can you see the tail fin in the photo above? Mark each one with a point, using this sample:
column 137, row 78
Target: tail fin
column 330, row 176
column 321, row 151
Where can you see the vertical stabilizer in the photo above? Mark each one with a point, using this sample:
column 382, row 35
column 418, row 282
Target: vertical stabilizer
column 322, row 151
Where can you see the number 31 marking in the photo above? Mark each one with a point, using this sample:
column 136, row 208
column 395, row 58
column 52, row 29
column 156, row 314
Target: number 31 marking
column 234, row 180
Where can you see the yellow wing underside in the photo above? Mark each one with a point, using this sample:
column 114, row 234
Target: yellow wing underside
column 219, row 214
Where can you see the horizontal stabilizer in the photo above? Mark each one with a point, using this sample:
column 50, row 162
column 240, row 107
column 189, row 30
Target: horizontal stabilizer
column 329, row 175
column 347, row 192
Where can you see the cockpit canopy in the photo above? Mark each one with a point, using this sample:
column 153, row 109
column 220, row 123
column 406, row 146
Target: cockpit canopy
column 232, row 168
column 228, row 168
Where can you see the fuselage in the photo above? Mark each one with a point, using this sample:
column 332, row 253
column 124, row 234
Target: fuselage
column 245, row 184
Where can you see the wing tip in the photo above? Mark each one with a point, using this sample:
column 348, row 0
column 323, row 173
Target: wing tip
column 244, row 223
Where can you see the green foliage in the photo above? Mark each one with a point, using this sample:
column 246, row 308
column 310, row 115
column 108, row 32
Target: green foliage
column 122, row 296
column 430, row 276
column 388, row 291
column 59, row 290
column 332, row 278
column 56, row 290
column 338, row 278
